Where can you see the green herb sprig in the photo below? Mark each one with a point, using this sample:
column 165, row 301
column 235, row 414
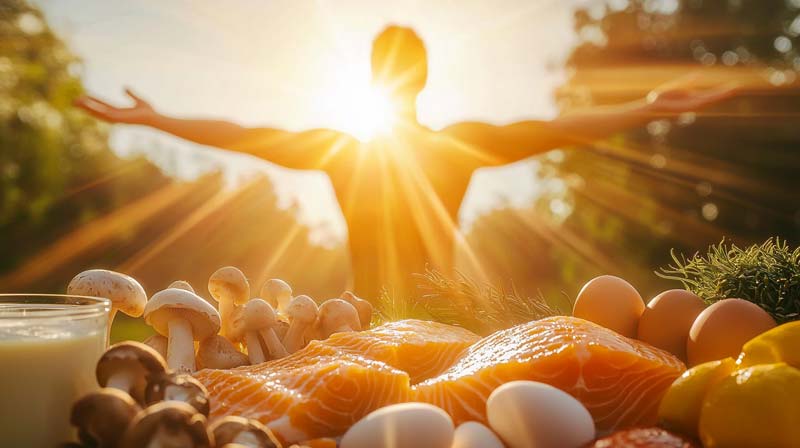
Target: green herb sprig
column 766, row 274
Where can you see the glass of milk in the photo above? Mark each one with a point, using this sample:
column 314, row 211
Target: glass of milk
column 49, row 347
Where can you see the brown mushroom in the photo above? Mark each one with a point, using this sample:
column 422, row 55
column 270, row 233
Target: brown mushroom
column 302, row 312
column 363, row 307
column 183, row 317
column 217, row 352
column 124, row 292
column 230, row 289
column 127, row 365
column 101, row 417
column 181, row 284
column 336, row 316
column 260, row 320
column 177, row 387
column 158, row 343
column 170, row 424
column 245, row 432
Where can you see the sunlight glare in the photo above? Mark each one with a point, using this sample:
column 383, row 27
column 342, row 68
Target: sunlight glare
column 369, row 113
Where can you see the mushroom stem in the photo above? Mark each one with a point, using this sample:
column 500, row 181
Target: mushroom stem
column 122, row 380
column 293, row 340
column 111, row 315
column 254, row 350
column 226, row 310
column 276, row 349
column 180, row 349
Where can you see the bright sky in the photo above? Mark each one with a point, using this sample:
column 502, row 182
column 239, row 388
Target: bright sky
column 286, row 64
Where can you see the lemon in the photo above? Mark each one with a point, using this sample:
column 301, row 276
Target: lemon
column 755, row 406
column 679, row 410
column 780, row 344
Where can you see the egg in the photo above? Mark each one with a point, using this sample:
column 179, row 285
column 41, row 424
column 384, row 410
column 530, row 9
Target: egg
column 527, row 414
column 611, row 302
column 406, row 425
column 667, row 319
column 722, row 328
column 475, row 435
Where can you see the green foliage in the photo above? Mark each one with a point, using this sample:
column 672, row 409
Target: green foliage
column 480, row 307
column 766, row 274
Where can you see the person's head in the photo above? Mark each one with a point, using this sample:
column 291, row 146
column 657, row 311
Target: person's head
column 400, row 62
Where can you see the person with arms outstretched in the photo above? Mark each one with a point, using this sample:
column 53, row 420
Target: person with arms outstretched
column 400, row 192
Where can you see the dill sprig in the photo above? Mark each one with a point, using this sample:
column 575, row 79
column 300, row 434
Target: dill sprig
column 480, row 307
column 766, row 274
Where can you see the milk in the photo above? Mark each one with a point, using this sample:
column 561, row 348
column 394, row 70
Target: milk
column 46, row 364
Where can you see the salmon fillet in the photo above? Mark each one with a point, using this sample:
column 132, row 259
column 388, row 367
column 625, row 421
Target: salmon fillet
column 326, row 387
column 619, row 380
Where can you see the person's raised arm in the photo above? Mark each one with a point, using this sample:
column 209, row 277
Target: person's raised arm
column 509, row 143
column 301, row 150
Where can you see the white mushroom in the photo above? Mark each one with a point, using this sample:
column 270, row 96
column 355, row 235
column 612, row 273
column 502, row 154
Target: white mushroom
column 259, row 321
column 277, row 293
column 183, row 317
column 336, row 316
column 363, row 307
column 302, row 312
column 124, row 292
column 217, row 352
column 181, row 284
column 230, row 288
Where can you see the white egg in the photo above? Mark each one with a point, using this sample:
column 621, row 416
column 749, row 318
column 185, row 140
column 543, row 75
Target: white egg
column 406, row 425
column 527, row 414
column 475, row 435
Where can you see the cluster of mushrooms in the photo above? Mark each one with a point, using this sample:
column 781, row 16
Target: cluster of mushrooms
column 142, row 403
column 148, row 396
column 193, row 334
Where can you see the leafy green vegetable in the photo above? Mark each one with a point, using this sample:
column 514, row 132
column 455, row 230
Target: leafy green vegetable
column 461, row 301
column 767, row 275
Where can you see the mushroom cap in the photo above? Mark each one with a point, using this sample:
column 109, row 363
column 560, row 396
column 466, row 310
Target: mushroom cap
column 181, row 284
column 303, row 309
column 232, row 429
column 170, row 423
column 217, row 352
column 178, row 303
column 124, row 292
column 229, row 283
column 170, row 386
column 363, row 307
column 101, row 417
column 135, row 358
column 276, row 292
column 335, row 313
column 259, row 314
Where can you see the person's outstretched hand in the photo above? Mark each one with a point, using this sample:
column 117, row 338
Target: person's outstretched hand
column 140, row 113
column 683, row 95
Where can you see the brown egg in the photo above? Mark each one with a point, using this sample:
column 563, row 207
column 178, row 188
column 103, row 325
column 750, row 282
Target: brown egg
column 722, row 328
column 667, row 319
column 611, row 302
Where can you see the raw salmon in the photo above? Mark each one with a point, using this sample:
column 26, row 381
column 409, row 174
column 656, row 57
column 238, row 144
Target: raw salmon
column 619, row 380
column 326, row 387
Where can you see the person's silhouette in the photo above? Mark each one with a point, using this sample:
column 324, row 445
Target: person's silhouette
column 400, row 193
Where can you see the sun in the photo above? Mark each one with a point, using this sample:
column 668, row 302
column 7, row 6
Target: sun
column 369, row 113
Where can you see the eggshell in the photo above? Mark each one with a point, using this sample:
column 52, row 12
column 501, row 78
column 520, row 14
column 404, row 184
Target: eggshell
column 667, row 319
column 722, row 328
column 527, row 414
column 406, row 425
column 475, row 435
column 611, row 302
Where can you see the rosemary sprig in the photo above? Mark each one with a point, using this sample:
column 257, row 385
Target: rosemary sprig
column 766, row 274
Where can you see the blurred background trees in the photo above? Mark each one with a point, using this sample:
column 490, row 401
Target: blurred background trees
column 68, row 203
column 620, row 205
